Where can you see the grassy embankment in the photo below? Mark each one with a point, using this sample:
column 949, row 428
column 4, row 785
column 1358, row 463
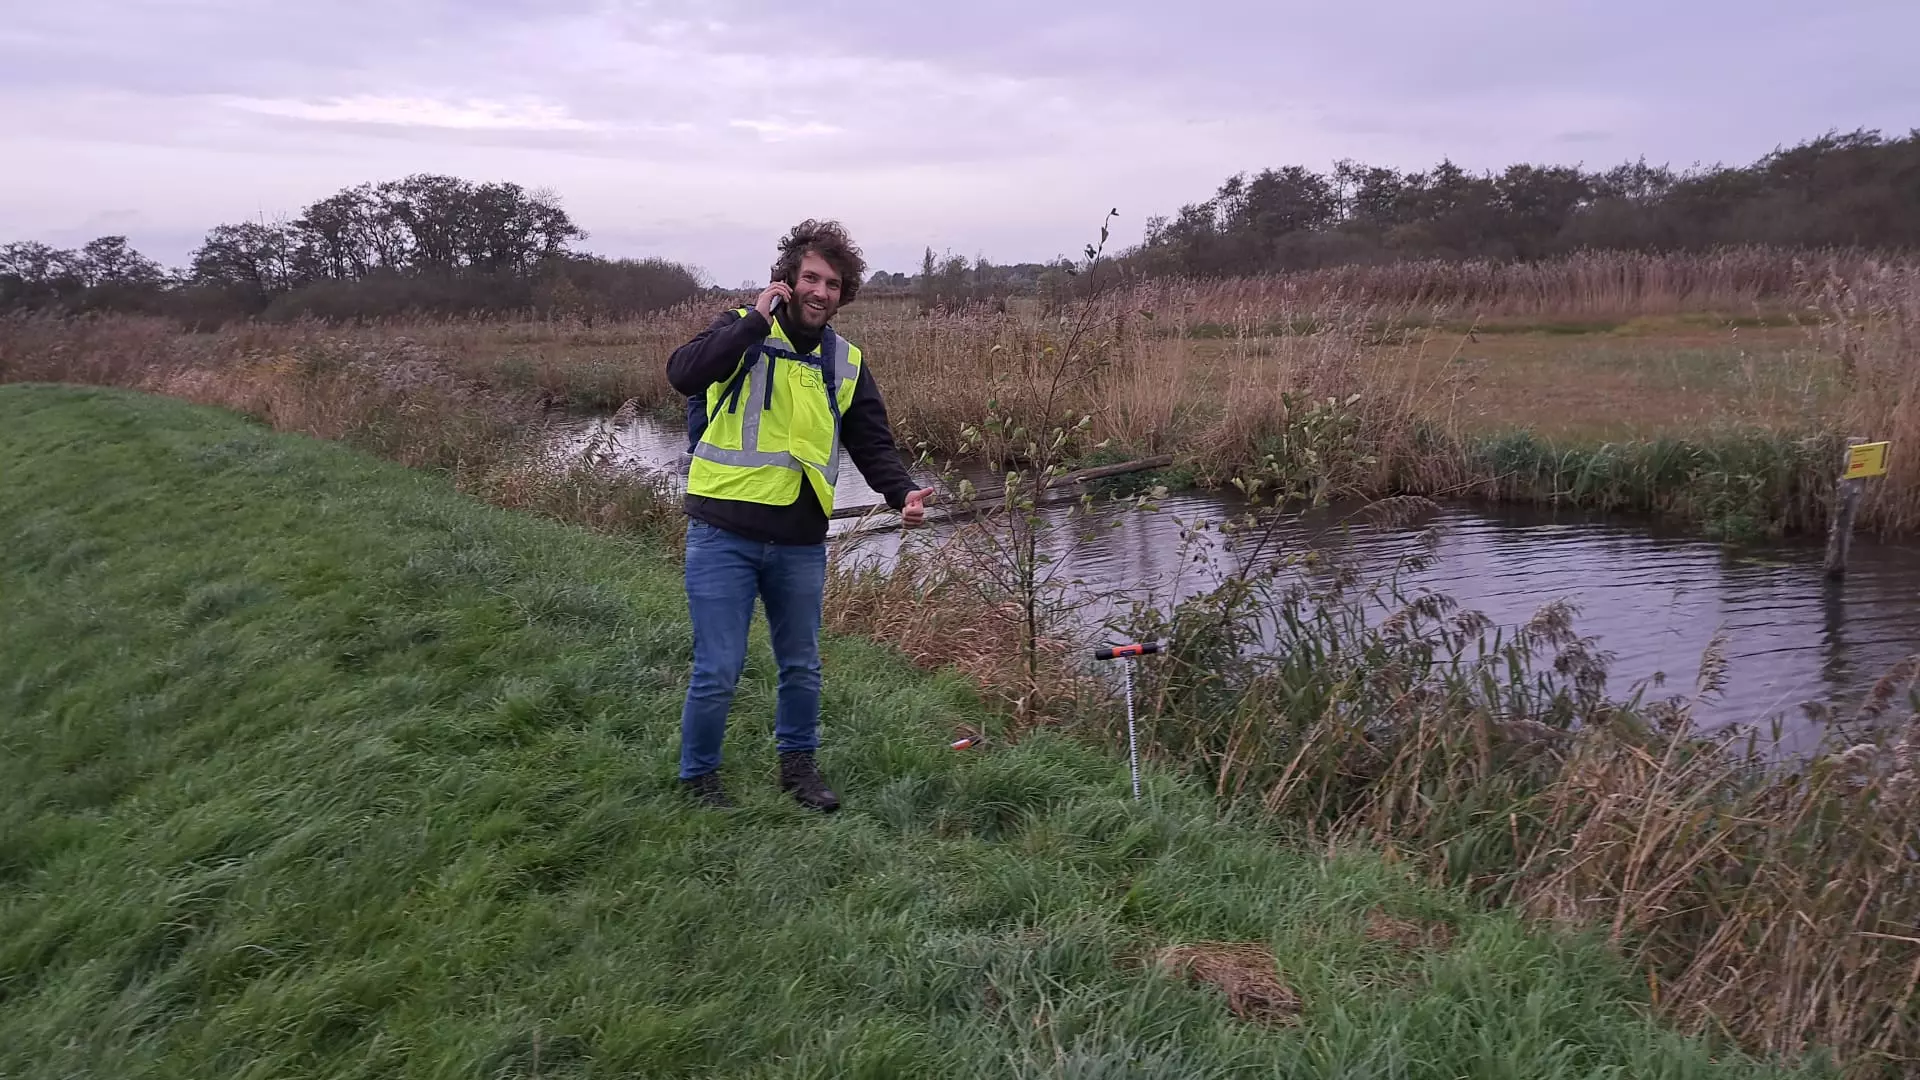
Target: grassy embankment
column 316, row 768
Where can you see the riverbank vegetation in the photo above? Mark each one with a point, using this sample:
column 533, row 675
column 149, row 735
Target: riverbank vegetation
column 1716, row 389
column 316, row 768
column 1765, row 899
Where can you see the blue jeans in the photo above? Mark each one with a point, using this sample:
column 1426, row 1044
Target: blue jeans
column 725, row 571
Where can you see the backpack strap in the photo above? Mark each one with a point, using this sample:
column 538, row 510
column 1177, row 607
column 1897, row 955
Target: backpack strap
column 830, row 374
column 729, row 397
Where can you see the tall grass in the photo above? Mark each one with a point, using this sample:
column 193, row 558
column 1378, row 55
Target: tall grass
column 1740, row 485
column 1246, row 399
column 599, row 364
column 1227, row 405
column 1737, row 280
column 1872, row 327
column 592, row 486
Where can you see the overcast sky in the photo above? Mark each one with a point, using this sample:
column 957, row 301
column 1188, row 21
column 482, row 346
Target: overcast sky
column 700, row 131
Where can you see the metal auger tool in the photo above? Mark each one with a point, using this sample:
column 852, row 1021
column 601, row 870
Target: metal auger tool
column 1127, row 653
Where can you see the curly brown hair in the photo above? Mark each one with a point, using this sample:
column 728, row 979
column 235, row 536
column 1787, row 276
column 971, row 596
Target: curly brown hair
column 829, row 240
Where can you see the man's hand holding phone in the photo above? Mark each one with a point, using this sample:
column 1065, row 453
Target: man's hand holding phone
column 778, row 292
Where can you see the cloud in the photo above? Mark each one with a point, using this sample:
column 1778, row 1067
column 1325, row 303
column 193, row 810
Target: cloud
column 783, row 130
column 996, row 127
column 470, row 114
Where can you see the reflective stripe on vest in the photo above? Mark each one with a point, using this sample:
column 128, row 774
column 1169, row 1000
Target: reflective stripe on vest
column 748, row 392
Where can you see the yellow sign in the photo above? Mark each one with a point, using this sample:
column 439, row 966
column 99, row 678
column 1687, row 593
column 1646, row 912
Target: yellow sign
column 1866, row 459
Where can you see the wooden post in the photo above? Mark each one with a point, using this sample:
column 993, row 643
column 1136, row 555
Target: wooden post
column 1846, row 501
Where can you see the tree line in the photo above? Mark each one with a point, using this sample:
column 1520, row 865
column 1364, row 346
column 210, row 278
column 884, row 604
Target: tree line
column 441, row 245
column 1856, row 190
column 424, row 244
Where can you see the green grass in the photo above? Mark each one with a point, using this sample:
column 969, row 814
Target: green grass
column 1736, row 485
column 314, row 768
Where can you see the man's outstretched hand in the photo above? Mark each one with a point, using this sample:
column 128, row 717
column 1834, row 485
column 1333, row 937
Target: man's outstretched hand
column 915, row 511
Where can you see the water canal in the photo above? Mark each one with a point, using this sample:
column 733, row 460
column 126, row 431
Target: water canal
column 1653, row 597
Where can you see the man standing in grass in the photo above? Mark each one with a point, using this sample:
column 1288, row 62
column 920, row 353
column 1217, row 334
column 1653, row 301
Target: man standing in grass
column 776, row 394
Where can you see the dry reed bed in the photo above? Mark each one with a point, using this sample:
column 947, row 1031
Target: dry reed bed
column 1738, row 280
column 1781, row 909
column 1150, row 393
column 1225, row 406
column 1872, row 329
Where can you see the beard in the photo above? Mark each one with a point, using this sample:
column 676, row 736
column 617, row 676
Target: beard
column 808, row 317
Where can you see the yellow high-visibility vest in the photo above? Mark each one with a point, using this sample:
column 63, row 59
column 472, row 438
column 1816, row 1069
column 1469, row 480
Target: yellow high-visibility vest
column 768, row 430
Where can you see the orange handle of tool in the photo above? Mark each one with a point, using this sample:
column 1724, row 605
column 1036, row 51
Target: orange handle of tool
column 1138, row 648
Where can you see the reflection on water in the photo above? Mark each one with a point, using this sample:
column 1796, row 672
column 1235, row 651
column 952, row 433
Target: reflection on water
column 1653, row 599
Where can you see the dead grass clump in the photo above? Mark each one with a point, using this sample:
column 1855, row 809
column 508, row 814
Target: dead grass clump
column 1407, row 935
column 1244, row 971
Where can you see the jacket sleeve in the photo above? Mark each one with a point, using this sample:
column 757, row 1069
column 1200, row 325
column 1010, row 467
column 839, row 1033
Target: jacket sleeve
column 714, row 352
column 868, row 438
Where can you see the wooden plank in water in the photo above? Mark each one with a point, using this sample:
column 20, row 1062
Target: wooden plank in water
column 1097, row 472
